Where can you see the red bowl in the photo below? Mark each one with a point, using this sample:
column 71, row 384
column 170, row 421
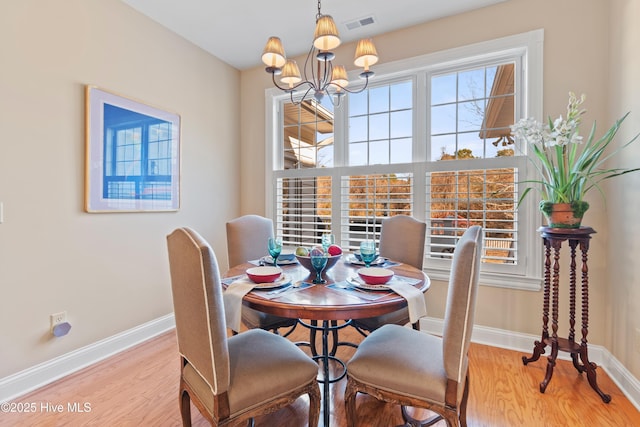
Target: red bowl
column 305, row 261
column 375, row 275
column 264, row 274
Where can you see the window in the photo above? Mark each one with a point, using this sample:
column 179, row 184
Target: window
column 380, row 125
column 470, row 114
column 430, row 138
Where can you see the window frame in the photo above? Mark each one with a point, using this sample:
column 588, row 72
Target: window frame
column 527, row 49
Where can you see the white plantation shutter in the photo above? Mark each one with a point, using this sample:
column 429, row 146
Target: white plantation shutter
column 367, row 199
column 458, row 199
column 303, row 209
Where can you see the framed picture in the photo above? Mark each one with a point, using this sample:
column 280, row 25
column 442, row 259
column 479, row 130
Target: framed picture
column 132, row 155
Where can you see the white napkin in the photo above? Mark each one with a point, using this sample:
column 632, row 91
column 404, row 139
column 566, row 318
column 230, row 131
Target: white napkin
column 403, row 286
column 415, row 299
column 232, row 298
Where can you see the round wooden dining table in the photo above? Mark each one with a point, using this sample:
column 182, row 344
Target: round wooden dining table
column 322, row 303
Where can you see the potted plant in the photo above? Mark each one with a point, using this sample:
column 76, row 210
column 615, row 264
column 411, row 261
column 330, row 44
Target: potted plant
column 567, row 165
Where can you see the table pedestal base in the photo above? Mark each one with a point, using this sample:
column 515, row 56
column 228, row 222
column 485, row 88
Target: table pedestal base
column 328, row 326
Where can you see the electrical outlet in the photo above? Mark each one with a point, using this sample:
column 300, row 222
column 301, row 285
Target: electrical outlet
column 58, row 318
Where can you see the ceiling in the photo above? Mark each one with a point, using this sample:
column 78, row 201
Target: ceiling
column 236, row 31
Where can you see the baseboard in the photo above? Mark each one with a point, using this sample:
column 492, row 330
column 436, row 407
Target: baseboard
column 40, row 375
column 628, row 384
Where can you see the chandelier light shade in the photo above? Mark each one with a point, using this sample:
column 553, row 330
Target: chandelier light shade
column 273, row 53
column 319, row 76
column 290, row 73
column 339, row 77
column 366, row 55
column 326, row 35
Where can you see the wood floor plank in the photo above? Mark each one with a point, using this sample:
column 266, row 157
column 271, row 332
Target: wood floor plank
column 138, row 387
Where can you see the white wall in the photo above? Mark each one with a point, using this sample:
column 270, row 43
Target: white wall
column 623, row 196
column 108, row 271
column 576, row 58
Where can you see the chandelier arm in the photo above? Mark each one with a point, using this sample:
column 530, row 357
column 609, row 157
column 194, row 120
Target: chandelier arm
column 313, row 80
column 366, row 83
column 320, row 82
column 339, row 99
column 328, row 72
column 305, row 94
column 294, row 102
column 289, row 89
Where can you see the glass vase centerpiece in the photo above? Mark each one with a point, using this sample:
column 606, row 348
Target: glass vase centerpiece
column 568, row 165
column 318, row 262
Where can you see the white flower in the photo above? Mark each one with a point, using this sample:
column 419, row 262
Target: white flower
column 564, row 132
column 529, row 130
column 567, row 171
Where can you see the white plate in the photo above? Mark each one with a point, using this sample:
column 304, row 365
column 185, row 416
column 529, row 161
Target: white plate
column 287, row 254
column 283, row 280
column 269, row 260
column 351, row 259
column 358, row 283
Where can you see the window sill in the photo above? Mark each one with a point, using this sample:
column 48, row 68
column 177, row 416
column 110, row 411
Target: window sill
column 496, row 280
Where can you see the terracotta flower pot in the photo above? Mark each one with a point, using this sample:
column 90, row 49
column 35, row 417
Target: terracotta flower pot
column 564, row 215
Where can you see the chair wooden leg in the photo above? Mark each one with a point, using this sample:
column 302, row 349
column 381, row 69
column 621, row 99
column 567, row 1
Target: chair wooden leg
column 185, row 408
column 463, row 403
column 350, row 402
column 409, row 421
column 314, row 405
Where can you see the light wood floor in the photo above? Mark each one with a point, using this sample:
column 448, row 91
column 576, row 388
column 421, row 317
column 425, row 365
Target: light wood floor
column 138, row 388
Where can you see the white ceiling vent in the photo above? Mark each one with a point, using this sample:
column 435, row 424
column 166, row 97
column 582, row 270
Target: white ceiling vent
column 361, row 22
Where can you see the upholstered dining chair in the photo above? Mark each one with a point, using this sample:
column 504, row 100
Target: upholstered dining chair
column 412, row 368
column 230, row 380
column 401, row 239
column 247, row 240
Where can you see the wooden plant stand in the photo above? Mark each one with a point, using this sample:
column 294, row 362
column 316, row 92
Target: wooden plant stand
column 554, row 238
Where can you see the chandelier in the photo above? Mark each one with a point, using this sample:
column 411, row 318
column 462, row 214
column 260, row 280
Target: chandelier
column 321, row 76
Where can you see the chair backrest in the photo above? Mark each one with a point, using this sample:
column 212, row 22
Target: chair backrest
column 402, row 239
column 198, row 307
column 461, row 302
column 247, row 238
